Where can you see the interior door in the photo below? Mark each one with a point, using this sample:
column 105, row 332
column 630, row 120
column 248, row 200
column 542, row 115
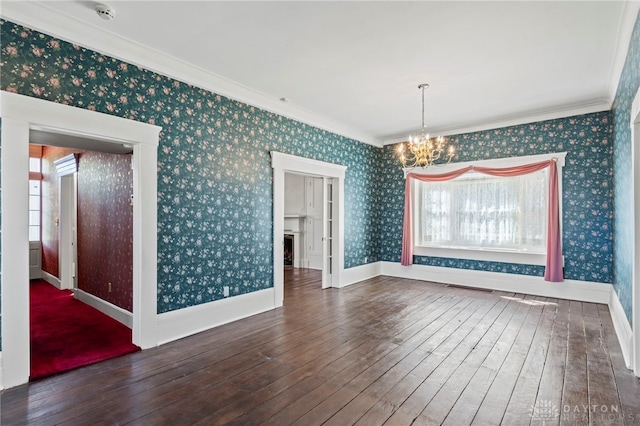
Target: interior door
column 35, row 260
column 328, row 229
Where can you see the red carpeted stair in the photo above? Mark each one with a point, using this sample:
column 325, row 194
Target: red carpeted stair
column 66, row 333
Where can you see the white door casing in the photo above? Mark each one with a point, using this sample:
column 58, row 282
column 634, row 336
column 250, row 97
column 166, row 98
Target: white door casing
column 635, row 179
column 20, row 114
column 67, row 220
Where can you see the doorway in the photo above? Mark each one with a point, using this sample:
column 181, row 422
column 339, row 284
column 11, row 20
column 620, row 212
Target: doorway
column 332, row 176
column 309, row 225
column 20, row 114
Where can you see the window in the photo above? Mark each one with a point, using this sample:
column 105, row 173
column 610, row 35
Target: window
column 482, row 217
column 34, row 198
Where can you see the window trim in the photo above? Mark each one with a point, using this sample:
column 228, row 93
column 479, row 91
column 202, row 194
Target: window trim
column 484, row 254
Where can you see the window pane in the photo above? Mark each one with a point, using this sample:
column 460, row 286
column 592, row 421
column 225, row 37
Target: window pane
column 34, row 218
column 34, row 164
column 478, row 211
column 34, row 187
column 34, row 233
column 34, row 202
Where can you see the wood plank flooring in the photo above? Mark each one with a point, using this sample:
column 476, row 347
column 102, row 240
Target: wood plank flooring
column 387, row 351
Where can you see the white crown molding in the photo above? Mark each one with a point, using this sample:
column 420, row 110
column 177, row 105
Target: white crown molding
column 515, row 120
column 41, row 18
column 627, row 21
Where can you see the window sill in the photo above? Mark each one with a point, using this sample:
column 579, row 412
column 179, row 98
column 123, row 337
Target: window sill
column 482, row 255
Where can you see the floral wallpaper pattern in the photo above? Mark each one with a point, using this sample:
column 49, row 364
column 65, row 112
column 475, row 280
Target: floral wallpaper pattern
column 214, row 186
column 587, row 192
column 214, row 173
column 105, row 227
column 623, row 204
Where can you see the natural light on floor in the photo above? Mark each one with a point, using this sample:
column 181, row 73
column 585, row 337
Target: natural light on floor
column 528, row 301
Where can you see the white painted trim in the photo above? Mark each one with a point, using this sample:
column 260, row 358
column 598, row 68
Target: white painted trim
column 622, row 327
column 1, row 368
column 40, row 17
column 286, row 163
column 634, row 123
column 627, row 22
column 20, row 113
column 67, row 227
column 116, row 312
column 514, row 120
column 66, row 165
column 15, row 261
column 51, row 279
column 185, row 322
column 359, row 273
column 569, row 289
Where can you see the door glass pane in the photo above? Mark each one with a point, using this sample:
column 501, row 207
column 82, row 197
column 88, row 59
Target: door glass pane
column 34, row 218
column 34, row 233
column 34, row 202
column 34, row 187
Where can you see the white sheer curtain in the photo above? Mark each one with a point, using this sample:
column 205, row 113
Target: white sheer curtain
column 480, row 211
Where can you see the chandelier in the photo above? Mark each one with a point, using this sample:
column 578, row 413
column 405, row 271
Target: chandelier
column 422, row 151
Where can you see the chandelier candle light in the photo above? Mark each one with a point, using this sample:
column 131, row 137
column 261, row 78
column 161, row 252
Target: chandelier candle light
column 423, row 152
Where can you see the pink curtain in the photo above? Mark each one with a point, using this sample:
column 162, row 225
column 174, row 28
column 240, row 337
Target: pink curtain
column 553, row 267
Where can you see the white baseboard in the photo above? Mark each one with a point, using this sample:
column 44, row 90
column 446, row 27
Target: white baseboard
column 569, row 289
column 51, row 279
column 622, row 327
column 1, row 368
column 117, row 313
column 175, row 325
column 359, row 273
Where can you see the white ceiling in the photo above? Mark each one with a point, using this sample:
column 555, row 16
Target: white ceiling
column 354, row 67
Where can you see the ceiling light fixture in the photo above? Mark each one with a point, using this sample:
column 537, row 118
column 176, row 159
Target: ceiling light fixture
column 422, row 151
column 105, row 12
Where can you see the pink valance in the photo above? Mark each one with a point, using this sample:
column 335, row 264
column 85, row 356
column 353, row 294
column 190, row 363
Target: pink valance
column 553, row 268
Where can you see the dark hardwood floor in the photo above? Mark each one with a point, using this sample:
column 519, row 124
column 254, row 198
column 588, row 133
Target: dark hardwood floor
column 386, row 351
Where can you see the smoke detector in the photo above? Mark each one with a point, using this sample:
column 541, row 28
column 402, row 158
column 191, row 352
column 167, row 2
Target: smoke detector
column 105, row 12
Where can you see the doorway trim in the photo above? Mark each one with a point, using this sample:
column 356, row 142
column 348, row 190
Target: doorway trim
column 19, row 114
column 635, row 274
column 67, row 168
column 281, row 164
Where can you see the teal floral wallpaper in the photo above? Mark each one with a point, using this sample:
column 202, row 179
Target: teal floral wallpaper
column 623, row 203
column 587, row 192
column 214, row 173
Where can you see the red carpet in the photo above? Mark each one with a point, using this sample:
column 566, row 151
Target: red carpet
column 67, row 334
